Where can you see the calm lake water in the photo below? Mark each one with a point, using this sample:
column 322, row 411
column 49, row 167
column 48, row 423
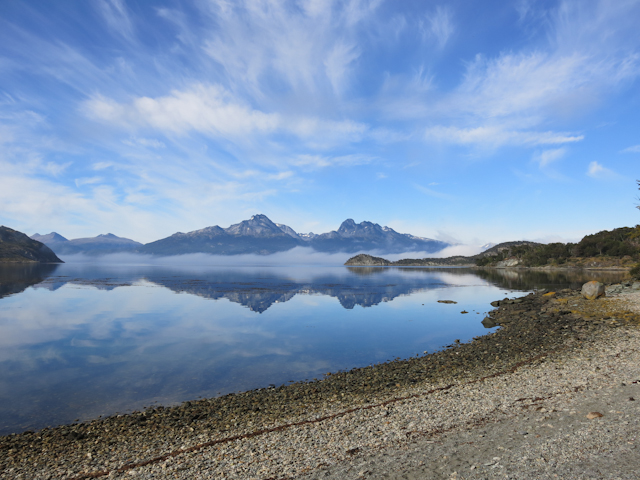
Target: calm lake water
column 78, row 341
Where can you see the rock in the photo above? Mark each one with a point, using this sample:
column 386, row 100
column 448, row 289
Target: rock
column 635, row 286
column 495, row 303
column 592, row 290
column 446, row 301
column 464, row 311
column 509, row 262
column 592, row 415
column 489, row 323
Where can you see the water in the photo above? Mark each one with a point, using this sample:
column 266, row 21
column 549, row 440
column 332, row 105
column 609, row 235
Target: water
column 79, row 341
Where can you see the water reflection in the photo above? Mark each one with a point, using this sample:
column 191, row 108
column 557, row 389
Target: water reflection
column 85, row 341
column 16, row 278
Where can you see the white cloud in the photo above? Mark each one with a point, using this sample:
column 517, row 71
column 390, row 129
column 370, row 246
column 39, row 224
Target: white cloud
column 87, row 181
column 320, row 161
column 504, row 100
column 254, row 41
column 432, row 193
column 338, row 63
column 596, row 170
column 145, row 142
column 438, row 25
column 546, row 157
column 215, row 112
column 633, row 149
column 55, row 169
column 206, row 109
column 495, row 136
column 117, row 17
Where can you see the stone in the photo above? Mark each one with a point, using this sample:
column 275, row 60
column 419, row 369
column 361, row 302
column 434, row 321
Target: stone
column 592, row 290
column 592, row 415
column 446, row 301
column 489, row 322
column 509, row 262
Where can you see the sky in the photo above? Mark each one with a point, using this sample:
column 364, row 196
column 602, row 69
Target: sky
column 465, row 121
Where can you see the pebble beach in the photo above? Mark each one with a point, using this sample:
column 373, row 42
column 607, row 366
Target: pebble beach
column 553, row 393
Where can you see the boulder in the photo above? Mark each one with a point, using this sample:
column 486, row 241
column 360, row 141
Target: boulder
column 488, row 322
column 509, row 262
column 592, row 290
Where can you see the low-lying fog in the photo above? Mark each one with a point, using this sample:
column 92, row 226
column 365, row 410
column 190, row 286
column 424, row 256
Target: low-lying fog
column 295, row 256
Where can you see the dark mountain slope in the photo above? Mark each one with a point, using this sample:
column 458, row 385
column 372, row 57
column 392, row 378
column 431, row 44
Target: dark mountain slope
column 16, row 247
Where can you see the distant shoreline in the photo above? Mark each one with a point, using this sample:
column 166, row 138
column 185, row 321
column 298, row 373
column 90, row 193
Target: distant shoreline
column 476, row 267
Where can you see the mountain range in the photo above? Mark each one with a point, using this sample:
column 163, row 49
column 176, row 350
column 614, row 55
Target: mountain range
column 102, row 244
column 258, row 235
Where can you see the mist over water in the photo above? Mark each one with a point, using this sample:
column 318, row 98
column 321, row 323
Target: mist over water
column 85, row 339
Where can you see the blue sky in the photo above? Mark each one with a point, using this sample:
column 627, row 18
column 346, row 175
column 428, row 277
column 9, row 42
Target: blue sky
column 459, row 120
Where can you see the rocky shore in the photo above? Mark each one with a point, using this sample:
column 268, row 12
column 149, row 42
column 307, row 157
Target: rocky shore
column 475, row 410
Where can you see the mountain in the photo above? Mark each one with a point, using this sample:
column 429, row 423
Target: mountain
column 16, row 247
column 256, row 235
column 52, row 237
column 354, row 237
column 100, row 245
column 260, row 235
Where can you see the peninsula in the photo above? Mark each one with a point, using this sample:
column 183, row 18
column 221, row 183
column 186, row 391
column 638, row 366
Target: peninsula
column 16, row 247
column 615, row 249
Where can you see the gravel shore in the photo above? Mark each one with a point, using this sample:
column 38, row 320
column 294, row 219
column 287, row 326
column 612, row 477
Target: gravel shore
column 512, row 404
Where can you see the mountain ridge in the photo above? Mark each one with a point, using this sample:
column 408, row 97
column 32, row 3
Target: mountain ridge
column 257, row 235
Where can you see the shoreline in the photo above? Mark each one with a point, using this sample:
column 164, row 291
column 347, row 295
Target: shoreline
column 553, row 268
column 251, row 425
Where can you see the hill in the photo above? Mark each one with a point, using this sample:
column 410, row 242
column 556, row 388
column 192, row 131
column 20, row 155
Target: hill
column 16, row 247
column 618, row 248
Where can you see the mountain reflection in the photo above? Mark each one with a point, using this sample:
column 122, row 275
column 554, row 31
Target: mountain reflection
column 16, row 278
column 259, row 289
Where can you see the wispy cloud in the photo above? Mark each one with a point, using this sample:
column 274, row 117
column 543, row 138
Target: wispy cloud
column 320, row 161
column 438, row 25
column 547, row 157
column 596, row 170
column 206, row 109
column 309, row 48
column 117, row 17
column 503, row 100
column 633, row 149
column 433, row 193
column 493, row 136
